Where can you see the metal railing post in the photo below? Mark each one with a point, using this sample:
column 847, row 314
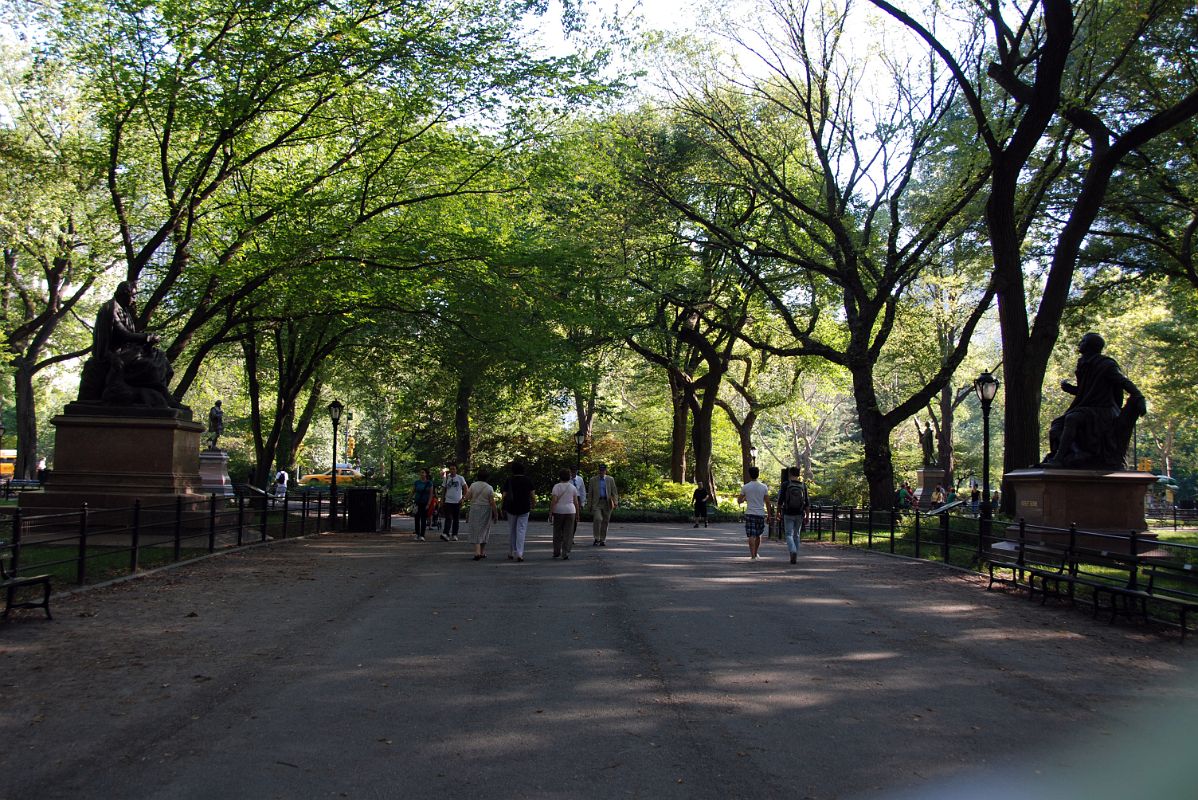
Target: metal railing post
column 1019, row 556
column 832, row 532
column 303, row 512
column 240, row 519
column 982, row 533
column 852, row 527
column 893, row 521
column 178, row 527
column 285, row 515
column 1133, row 578
column 134, row 556
column 81, row 566
column 1073, row 567
column 14, row 559
column 262, row 519
column 944, row 522
column 917, row 531
column 212, row 523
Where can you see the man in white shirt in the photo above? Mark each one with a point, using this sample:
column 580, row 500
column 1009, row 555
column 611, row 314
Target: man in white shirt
column 454, row 488
column 756, row 496
column 281, row 483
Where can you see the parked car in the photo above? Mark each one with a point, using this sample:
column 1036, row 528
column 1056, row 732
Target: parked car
column 346, row 475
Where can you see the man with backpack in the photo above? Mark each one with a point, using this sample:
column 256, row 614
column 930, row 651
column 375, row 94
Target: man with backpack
column 793, row 505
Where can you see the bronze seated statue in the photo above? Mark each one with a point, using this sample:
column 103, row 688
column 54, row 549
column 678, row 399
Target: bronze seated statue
column 1094, row 432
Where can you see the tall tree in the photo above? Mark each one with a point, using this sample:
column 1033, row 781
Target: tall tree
column 1046, row 84
column 836, row 199
column 54, row 236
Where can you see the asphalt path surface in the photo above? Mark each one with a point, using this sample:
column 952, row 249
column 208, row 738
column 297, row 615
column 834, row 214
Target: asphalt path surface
column 666, row 665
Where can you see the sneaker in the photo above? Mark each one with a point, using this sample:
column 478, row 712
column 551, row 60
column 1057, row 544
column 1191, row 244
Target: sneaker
column 753, row 557
column 696, row 524
column 444, row 538
column 603, row 544
column 565, row 556
column 420, row 538
column 794, row 558
column 453, row 538
column 595, row 543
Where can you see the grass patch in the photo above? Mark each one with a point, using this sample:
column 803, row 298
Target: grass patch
column 103, row 563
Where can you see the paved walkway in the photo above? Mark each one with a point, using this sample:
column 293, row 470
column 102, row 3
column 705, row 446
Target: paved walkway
column 666, row 665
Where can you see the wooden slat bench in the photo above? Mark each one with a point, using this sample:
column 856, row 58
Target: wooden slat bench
column 12, row 583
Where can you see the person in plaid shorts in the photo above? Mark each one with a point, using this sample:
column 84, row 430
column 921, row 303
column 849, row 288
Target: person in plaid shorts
column 756, row 497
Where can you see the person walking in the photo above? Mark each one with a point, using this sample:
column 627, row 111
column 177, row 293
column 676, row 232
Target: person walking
column 564, row 509
column 481, row 497
column 793, row 503
column 605, row 498
column 518, row 500
column 576, row 480
column 699, row 499
column 281, row 483
column 756, row 497
column 453, row 490
column 422, row 492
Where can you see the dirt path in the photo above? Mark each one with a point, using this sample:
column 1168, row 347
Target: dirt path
column 666, row 665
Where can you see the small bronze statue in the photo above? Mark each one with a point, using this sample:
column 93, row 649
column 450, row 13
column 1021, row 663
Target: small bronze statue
column 1095, row 430
column 216, row 424
column 927, row 441
column 125, row 367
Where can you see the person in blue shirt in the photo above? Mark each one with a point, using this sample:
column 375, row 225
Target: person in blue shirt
column 422, row 490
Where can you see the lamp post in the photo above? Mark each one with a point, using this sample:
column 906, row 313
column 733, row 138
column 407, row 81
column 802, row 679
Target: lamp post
column 580, row 439
column 986, row 387
column 335, row 409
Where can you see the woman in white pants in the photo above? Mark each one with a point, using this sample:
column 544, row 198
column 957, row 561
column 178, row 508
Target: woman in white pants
column 518, row 500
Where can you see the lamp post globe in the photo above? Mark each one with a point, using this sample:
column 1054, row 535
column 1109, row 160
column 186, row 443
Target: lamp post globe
column 580, row 439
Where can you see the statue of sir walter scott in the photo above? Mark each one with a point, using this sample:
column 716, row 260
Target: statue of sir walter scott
column 125, row 367
column 1095, row 430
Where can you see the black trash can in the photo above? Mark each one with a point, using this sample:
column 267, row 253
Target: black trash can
column 362, row 509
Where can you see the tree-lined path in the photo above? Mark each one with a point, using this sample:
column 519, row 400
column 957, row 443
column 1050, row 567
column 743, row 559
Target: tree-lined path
column 665, row 665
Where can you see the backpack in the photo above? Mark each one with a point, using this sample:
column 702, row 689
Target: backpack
column 794, row 501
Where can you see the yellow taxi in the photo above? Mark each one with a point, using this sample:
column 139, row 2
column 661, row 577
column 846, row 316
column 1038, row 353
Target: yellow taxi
column 345, row 475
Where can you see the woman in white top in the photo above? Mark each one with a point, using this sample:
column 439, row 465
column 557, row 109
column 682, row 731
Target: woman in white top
column 481, row 497
column 564, row 510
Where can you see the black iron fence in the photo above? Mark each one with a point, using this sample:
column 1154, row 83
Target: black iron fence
column 1088, row 560
column 92, row 545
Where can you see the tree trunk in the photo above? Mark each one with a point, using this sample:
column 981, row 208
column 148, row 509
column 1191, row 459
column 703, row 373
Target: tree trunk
column 26, row 413
column 461, row 425
column 947, row 459
column 701, row 440
column 875, row 440
column 680, row 408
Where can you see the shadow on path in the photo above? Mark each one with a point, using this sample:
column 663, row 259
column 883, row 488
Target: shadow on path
column 664, row 665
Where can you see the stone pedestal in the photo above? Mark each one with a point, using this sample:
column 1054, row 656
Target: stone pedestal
column 108, row 460
column 1097, row 501
column 929, row 479
column 214, row 473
